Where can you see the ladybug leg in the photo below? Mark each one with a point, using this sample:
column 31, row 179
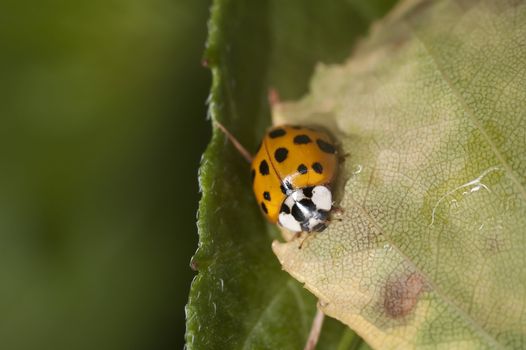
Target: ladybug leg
column 297, row 235
column 337, row 210
column 309, row 236
column 343, row 157
column 336, row 219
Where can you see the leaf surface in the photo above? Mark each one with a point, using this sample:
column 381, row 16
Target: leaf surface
column 429, row 249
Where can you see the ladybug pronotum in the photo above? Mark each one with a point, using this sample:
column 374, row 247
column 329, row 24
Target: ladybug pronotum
column 292, row 172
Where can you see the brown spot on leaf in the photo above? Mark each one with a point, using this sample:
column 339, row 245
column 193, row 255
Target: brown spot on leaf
column 401, row 295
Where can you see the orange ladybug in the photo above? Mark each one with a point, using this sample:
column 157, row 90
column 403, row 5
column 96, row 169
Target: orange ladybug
column 292, row 172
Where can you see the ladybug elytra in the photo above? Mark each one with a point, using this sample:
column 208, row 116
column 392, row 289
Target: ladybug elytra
column 292, row 172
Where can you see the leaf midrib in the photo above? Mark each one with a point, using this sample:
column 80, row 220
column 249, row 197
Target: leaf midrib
column 471, row 115
column 463, row 314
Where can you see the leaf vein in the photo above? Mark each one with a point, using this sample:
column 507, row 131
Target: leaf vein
column 463, row 314
column 471, row 115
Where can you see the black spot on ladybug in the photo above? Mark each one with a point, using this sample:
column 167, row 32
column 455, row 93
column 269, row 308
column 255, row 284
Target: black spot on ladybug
column 277, row 133
column 297, row 213
column 253, row 175
column 263, row 167
column 325, row 146
column 266, row 195
column 302, row 139
column 307, row 203
column 307, row 192
column 284, row 209
column 281, row 154
column 317, row 168
column 302, row 169
column 264, row 207
column 283, row 189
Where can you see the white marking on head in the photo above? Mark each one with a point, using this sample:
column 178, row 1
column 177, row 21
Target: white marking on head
column 289, row 201
column 288, row 221
column 297, row 195
column 322, row 198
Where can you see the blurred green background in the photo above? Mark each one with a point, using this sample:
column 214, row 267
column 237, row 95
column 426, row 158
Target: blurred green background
column 103, row 124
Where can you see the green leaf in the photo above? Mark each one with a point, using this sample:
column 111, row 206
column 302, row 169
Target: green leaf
column 241, row 298
column 430, row 248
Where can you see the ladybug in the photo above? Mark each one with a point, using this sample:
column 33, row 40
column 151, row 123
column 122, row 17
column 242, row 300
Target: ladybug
column 292, row 172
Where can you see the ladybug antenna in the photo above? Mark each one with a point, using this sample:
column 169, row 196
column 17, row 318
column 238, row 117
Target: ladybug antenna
column 234, row 141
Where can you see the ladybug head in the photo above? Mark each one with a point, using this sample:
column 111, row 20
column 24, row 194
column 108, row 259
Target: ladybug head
column 306, row 209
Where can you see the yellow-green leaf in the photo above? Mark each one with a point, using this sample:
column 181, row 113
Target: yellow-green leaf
column 430, row 248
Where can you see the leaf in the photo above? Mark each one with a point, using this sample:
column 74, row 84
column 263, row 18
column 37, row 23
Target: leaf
column 241, row 298
column 430, row 248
